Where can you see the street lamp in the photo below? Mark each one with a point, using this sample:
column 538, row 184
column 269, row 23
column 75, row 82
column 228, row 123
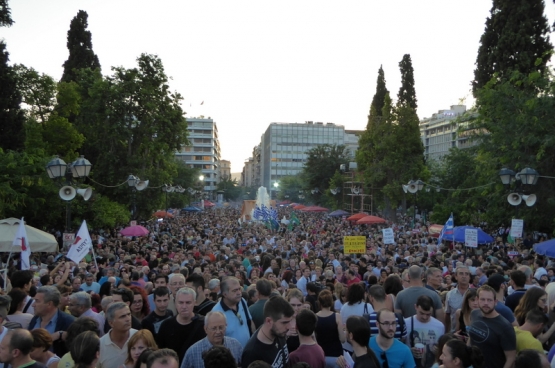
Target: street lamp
column 414, row 187
column 168, row 189
column 524, row 180
column 276, row 186
column 135, row 184
column 58, row 170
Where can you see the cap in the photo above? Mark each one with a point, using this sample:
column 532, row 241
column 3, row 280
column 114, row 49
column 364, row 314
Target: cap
column 495, row 281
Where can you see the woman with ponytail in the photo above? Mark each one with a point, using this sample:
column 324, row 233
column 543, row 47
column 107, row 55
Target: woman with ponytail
column 456, row 354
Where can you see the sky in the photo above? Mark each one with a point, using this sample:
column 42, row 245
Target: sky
column 257, row 62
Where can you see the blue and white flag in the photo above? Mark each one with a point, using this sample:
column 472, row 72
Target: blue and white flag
column 447, row 229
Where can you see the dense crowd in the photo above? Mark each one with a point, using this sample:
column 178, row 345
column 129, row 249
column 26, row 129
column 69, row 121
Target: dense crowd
column 206, row 290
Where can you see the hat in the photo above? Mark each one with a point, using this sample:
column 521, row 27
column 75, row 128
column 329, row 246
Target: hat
column 495, row 281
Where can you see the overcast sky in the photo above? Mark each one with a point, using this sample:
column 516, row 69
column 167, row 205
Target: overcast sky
column 257, row 62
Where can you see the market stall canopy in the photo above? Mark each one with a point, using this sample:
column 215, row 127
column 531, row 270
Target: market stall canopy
column 371, row 220
column 40, row 241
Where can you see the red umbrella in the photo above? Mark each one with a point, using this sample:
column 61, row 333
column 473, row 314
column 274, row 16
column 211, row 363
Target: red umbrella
column 357, row 216
column 137, row 230
column 314, row 209
column 161, row 214
column 299, row 206
column 371, row 220
column 208, row 204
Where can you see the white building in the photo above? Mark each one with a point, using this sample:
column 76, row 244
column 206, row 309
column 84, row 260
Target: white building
column 204, row 151
column 440, row 132
column 284, row 145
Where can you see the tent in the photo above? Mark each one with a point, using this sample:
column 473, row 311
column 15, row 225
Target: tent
column 458, row 235
column 338, row 213
column 39, row 240
column 371, row 220
column 546, row 248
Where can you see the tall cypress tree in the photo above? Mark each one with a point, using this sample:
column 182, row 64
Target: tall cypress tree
column 407, row 94
column 79, row 44
column 5, row 14
column 516, row 36
column 12, row 118
column 379, row 98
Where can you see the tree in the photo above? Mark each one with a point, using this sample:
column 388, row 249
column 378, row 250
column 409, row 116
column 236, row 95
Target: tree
column 407, row 94
column 5, row 14
column 229, row 188
column 290, row 188
column 516, row 38
column 379, row 97
column 12, row 118
column 132, row 124
column 38, row 92
column 321, row 163
column 79, row 44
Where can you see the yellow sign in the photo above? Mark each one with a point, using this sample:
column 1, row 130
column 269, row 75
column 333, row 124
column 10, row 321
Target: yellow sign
column 354, row 244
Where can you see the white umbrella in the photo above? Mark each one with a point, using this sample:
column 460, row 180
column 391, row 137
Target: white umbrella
column 39, row 240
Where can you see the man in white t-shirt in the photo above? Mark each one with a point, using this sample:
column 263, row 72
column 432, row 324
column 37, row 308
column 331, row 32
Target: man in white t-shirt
column 423, row 332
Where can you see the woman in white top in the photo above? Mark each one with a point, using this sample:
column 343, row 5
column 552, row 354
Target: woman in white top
column 355, row 306
column 41, row 343
column 16, row 308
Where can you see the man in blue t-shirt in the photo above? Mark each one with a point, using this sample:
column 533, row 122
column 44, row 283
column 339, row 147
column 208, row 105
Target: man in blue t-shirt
column 387, row 348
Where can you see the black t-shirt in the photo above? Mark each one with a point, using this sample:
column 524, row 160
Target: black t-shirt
column 275, row 354
column 178, row 337
column 366, row 361
column 204, row 307
column 153, row 321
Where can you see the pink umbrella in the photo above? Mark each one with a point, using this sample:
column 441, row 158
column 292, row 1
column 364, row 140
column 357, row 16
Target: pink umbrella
column 314, row 209
column 136, row 230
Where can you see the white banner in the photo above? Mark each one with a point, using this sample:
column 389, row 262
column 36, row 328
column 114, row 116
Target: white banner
column 517, row 227
column 471, row 238
column 388, row 237
column 82, row 244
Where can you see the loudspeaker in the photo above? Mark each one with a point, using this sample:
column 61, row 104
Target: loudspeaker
column 86, row 193
column 67, row 193
column 141, row 184
column 514, row 198
column 405, row 188
column 530, row 200
column 412, row 188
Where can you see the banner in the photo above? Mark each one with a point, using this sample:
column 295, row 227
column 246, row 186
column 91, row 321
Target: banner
column 82, row 244
column 22, row 241
column 517, row 227
column 388, row 237
column 471, row 238
column 354, row 244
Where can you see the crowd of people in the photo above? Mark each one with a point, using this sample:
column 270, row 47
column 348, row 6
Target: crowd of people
column 206, row 290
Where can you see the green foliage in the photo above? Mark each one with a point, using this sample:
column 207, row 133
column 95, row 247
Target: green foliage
column 38, row 92
column 290, row 188
column 79, row 44
column 62, row 138
column 12, row 134
column 5, row 14
column 336, row 183
column 516, row 38
column 100, row 212
column 407, row 94
column 321, row 164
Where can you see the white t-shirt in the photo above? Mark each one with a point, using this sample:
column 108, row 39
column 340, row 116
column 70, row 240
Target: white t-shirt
column 425, row 333
column 353, row 310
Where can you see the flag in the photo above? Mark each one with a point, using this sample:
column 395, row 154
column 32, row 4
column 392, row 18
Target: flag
column 293, row 220
column 447, row 229
column 22, row 241
column 82, row 244
column 202, row 103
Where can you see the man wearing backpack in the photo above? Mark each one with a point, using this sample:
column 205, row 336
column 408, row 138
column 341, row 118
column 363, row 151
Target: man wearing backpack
column 377, row 296
column 423, row 331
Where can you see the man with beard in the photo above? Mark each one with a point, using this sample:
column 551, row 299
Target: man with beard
column 268, row 342
column 390, row 351
column 492, row 333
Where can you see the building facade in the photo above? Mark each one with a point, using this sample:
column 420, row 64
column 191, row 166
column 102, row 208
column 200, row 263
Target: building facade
column 225, row 170
column 284, row 146
column 203, row 153
column 440, row 132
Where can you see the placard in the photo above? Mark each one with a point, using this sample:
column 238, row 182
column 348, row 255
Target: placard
column 68, row 237
column 388, row 237
column 354, row 244
column 517, row 227
column 133, row 223
column 471, row 238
